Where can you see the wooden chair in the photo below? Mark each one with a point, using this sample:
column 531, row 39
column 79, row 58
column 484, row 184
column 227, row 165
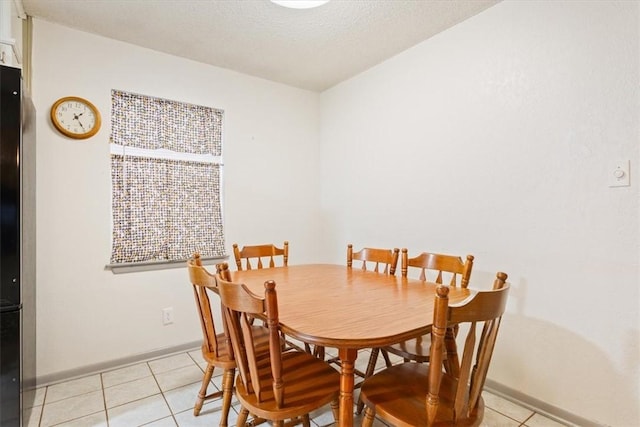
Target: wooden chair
column 259, row 252
column 433, row 268
column 285, row 385
column 412, row 394
column 417, row 350
column 216, row 348
column 379, row 258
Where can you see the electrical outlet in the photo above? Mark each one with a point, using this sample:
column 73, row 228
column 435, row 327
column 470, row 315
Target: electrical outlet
column 167, row 316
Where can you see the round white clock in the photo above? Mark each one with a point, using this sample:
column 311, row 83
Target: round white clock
column 75, row 117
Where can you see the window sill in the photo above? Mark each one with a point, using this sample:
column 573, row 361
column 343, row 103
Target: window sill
column 135, row 267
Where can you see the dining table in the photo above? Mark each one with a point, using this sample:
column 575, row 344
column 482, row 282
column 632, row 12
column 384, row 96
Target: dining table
column 349, row 309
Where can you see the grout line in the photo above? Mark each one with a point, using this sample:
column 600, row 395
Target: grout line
column 165, row 400
column 104, row 399
column 524, row 423
column 44, row 400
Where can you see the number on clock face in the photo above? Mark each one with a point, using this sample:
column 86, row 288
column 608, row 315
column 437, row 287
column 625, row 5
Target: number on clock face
column 76, row 117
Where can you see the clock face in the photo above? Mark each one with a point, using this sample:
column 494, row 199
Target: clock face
column 75, row 117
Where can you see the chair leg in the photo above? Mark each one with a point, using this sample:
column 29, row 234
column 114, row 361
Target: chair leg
column 318, row 352
column 227, row 394
column 386, row 358
column 371, row 366
column 242, row 417
column 305, row 421
column 369, row 416
column 203, row 389
column 335, row 408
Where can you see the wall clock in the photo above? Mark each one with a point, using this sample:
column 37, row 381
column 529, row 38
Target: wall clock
column 75, row 117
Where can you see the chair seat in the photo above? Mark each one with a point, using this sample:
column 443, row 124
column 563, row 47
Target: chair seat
column 309, row 383
column 399, row 394
column 223, row 359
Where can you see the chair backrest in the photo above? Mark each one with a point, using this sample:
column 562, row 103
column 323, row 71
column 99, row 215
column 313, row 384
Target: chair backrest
column 438, row 264
column 204, row 284
column 483, row 311
column 377, row 257
column 257, row 253
column 240, row 306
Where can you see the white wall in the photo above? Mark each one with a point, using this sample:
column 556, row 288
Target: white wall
column 87, row 315
column 494, row 138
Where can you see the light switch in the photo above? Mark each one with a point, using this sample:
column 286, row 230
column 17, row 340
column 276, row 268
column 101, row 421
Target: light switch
column 619, row 174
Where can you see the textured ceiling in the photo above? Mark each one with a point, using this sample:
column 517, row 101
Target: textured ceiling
column 312, row 49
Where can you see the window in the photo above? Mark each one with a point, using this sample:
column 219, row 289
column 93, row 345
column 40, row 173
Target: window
column 166, row 175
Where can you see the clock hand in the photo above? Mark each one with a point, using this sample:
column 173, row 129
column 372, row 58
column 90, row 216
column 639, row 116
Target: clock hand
column 77, row 117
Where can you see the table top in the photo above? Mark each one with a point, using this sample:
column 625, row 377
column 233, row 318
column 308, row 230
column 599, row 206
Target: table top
column 336, row 306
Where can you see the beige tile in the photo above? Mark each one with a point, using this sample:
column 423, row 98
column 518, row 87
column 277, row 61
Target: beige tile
column 123, row 375
column 331, row 352
column 72, row 408
column 363, row 361
column 183, row 398
column 130, row 391
column 395, row 359
column 170, row 363
column 31, row 416
column 199, row 360
column 140, row 412
column 322, row 416
column 196, row 355
column 216, row 379
column 73, row 388
column 203, row 366
column 94, row 420
column 133, row 397
column 165, row 422
column 34, row 397
column 179, row 377
column 209, row 416
column 538, row 420
column 506, row 407
column 496, row 419
column 215, row 405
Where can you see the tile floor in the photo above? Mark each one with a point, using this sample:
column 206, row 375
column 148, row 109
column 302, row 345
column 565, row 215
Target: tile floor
column 161, row 392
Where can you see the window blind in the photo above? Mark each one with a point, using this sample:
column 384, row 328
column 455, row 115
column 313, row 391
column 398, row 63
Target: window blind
column 166, row 174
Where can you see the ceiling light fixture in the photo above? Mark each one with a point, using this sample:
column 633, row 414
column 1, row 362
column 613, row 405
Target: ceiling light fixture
column 300, row 4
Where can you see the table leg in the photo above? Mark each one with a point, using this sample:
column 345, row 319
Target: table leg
column 347, row 362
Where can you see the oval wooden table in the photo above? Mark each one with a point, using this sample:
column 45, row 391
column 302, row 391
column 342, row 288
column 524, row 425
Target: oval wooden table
column 350, row 309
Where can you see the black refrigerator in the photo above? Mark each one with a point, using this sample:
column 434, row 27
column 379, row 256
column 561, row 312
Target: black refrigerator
column 17, row 248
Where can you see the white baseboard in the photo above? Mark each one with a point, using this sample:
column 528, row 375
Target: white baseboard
column 112, row 364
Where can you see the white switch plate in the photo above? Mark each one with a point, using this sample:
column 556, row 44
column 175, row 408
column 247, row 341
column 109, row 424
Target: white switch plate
column 618, row 174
